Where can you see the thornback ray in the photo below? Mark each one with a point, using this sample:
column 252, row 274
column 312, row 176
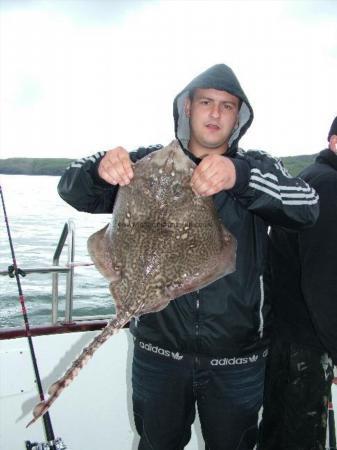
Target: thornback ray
column 163, row 242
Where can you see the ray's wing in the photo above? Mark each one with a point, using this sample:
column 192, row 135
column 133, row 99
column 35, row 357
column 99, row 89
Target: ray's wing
column 103, row 255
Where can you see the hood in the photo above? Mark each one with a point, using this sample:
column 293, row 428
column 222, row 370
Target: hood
column 327, row 156
column 222, row 78
column 333, row 128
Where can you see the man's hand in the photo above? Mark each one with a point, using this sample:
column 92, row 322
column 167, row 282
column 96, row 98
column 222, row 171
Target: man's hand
column 215, row 173
column 116, row 167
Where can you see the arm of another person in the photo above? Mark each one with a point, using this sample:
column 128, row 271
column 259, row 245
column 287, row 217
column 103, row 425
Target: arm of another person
column 91, row 184
column 318, row 253
column 261, row 184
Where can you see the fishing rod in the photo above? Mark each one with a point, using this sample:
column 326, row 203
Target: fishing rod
column 52, row 443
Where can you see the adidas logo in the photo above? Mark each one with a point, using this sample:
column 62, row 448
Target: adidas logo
column 176, row 356
column 234, row 361
column 160, row 351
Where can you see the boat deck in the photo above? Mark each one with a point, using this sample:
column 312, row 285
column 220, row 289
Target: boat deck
column 94, row 412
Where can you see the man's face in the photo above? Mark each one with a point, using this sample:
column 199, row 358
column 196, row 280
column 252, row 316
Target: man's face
column 213, row 115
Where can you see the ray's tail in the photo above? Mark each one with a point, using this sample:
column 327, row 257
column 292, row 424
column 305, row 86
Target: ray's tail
column 87, row 353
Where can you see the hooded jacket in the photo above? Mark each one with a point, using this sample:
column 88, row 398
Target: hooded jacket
column 229, row 317
column 304, row 269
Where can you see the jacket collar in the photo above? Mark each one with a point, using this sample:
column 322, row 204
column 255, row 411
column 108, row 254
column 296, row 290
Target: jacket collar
column 196, row 160
column 327, row 157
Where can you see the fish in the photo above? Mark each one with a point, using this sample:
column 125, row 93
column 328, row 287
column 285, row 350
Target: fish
column 163, row 241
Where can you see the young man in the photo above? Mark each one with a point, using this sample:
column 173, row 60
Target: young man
column 207, row 347
column 304, row 299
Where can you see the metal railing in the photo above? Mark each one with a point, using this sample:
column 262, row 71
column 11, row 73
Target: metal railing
column 67, row 235
column 67, row 232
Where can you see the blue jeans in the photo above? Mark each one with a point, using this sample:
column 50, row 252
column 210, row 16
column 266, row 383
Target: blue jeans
column 167, row 386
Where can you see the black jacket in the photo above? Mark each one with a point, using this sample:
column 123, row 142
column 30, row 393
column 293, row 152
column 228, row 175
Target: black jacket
column 228, row 317
column 304, row 268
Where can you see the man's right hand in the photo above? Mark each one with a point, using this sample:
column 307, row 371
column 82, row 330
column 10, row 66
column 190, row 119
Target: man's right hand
column 116, row 167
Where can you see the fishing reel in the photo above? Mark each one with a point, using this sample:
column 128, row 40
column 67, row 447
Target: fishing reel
column 57, row 444
column 11, row 271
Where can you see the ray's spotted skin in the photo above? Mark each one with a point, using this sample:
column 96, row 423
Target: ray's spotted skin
column 163, row 242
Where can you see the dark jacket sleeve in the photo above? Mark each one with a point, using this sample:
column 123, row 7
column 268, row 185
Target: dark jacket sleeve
column 266, row 188
column 318, row 254
column 82, row 187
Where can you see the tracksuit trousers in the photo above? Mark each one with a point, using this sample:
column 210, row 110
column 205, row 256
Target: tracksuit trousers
column 297, row 389
column 167, row 387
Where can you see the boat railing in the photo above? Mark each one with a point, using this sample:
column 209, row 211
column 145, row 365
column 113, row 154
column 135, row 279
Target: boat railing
column 68, row 323
column 68, row 233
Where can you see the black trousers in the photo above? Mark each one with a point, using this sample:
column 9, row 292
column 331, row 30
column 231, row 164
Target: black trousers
column 167, row 388
column 297, row 387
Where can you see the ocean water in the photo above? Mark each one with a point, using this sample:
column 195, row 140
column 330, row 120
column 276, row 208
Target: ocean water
column 36, row 217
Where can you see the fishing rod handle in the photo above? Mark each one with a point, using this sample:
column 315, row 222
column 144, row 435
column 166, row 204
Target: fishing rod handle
column 57, row 444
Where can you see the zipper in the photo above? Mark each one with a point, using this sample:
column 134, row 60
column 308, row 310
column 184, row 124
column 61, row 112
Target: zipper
column 197, row 303
column 261, row 319
column 197, row 325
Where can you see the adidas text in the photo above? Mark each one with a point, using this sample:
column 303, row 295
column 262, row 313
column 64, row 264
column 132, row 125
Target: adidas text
column 234, row 361
column 160, row 351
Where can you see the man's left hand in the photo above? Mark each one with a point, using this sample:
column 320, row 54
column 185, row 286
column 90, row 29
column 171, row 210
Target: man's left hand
column 215, row 173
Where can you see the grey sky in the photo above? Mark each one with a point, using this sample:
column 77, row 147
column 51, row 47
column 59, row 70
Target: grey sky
column 81, row 76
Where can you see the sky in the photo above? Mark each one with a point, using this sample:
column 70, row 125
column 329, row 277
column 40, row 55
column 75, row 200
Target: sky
column 80, row 76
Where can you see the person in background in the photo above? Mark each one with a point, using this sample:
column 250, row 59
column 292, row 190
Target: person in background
column 300, row 365
column 208, row 347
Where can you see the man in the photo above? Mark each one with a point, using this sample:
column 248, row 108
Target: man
column 304, row 298
column 207, row 347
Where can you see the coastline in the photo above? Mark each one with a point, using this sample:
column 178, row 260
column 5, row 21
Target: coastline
column 34, row 166
column 56, row 166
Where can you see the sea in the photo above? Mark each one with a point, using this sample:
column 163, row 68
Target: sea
column 36, row 216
